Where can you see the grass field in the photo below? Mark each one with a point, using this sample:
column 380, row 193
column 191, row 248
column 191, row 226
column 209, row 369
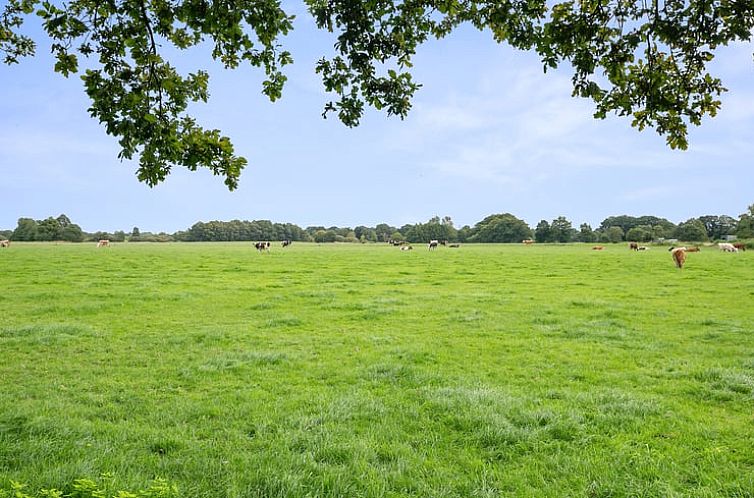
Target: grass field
column 349, row 371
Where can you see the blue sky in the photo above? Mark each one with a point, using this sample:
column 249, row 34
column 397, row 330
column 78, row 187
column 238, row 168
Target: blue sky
column 489, row 133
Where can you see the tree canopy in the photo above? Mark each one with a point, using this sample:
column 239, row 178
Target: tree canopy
column 646, row 59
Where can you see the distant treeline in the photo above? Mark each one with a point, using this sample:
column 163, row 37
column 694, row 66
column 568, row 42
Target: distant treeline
column 494, row 228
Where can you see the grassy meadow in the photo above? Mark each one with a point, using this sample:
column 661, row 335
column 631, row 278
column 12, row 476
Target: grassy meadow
column 364, row 371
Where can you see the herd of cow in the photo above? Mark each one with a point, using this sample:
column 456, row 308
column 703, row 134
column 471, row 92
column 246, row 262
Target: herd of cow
column 265, row 246
column 678, row 253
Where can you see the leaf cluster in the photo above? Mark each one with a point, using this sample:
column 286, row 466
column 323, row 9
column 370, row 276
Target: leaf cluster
column 644, row 59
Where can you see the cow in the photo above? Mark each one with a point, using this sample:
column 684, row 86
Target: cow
column 5, row 243
column 633, row 246
column 740, row 246
column 727, row 247
column 679, row 256
column 263, row 246
column 455, row 246
column 406, row 248
column 432, row 245
column 286, row 243
column 598, row 248
column 527, row 242
column 103, row 243
column 693, row 249
column 642, row 248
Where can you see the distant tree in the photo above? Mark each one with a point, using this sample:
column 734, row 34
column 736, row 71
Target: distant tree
column 561, row 230
column 692, row 230
column 6, row 234
column 71, row 233
column 639, row 234
column 745, row 227
column 63, row 221
column 434, row 229
column 361, row 231
column 586, row 234
column 614, row 234
column 658, row 232
column 464, row 233
column 397, row 236
column 384, row 231
column 718, row 227
column 542, row 233
column 626, row 223
column 48, row 229
column 100, row 235
column 135, row 232
column 26, row 230
column 500, row 228
column 119, row 236
column 321, row 236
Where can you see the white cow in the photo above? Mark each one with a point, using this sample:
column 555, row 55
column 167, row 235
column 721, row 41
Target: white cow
column 725, row 246
column 103, row 243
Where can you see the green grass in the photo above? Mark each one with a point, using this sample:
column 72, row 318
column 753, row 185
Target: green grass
column 343, row 370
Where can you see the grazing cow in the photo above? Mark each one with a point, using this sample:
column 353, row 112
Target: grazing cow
column 455, row 246
column 263, row 246
column 443, row 242
column 679, row 256
column 527, row 242
column 406, row 248
column 642, row 248
column 693, row 249
column 633, row 246
column 726, row 247
column 740, row 246
column 286, row 243
column 103, row 243
column 432, row 245
column 598, row 248
column 5, row 243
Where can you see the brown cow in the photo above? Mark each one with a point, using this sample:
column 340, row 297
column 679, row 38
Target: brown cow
column 740, row 246
column 5, row 243
column 528, row 242
column 679, row 256
column 103, row 243
column 633, row 246
column 598, row 248
column 693, row 249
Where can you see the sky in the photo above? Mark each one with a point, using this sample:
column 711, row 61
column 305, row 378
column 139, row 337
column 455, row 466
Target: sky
column 489, row 133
